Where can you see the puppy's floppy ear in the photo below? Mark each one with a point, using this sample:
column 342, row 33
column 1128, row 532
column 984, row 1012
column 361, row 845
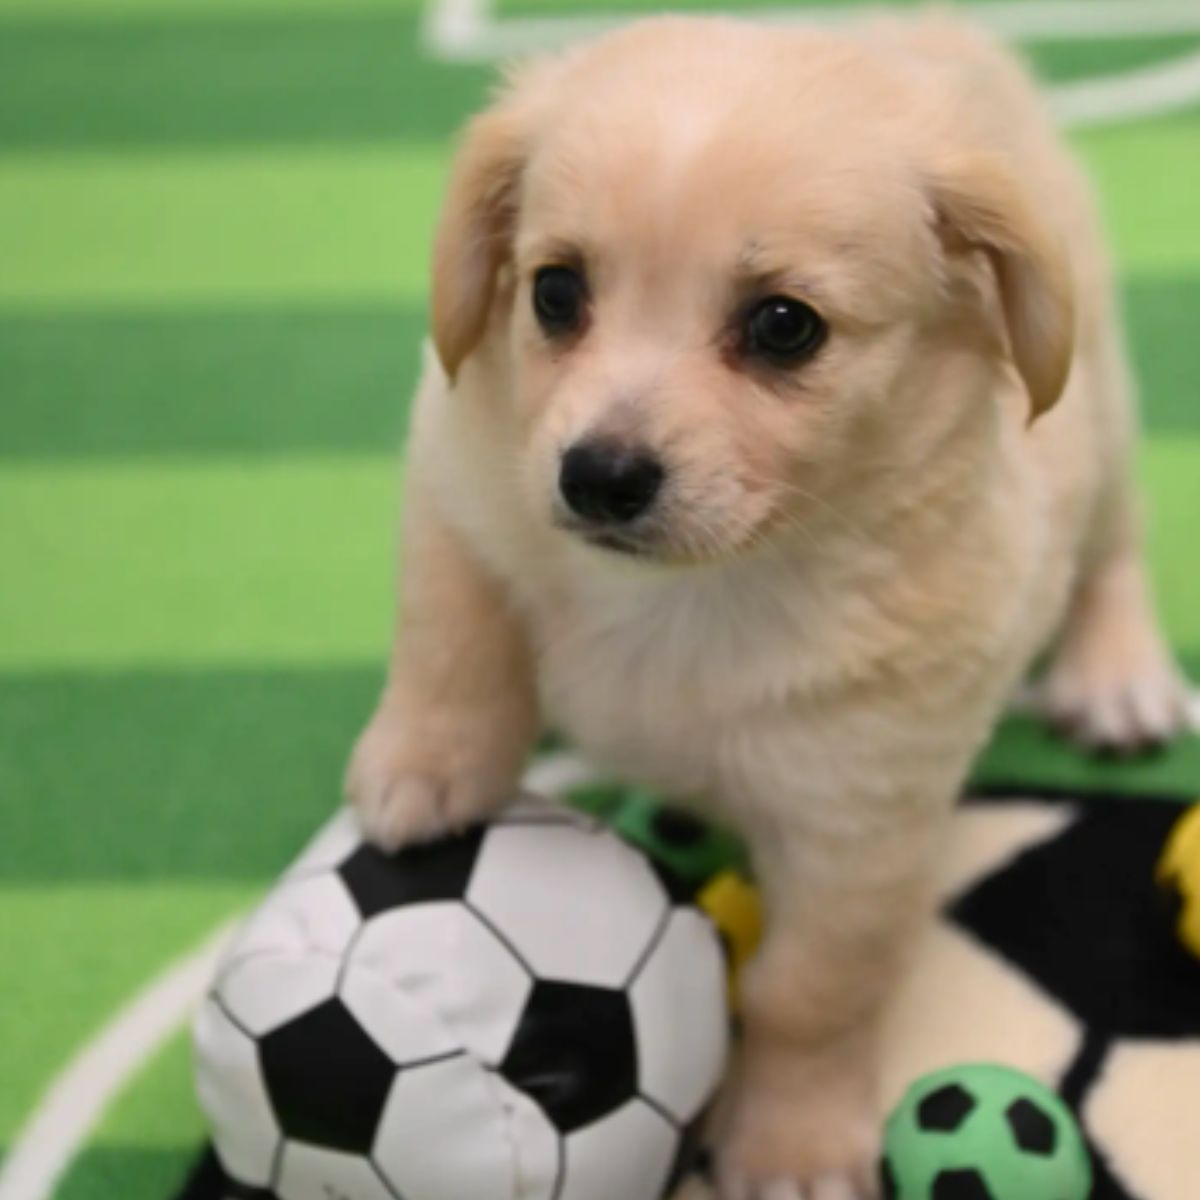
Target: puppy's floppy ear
column 474, row 237
column 980, row 203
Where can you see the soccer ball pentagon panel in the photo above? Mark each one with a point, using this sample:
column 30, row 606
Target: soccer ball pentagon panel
column 521, row 1011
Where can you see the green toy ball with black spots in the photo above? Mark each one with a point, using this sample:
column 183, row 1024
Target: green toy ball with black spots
column 983, row 1132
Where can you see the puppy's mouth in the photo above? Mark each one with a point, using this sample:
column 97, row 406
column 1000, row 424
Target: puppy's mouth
column 655, row 545
column 617, row 543
column 610, row 538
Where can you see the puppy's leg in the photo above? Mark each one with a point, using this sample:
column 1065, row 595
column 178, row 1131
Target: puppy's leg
column 449, row 738
column 1112, row 684
column 804, row 1119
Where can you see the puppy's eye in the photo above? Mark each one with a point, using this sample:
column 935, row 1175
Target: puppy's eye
column 559, row 299
column 784, row 330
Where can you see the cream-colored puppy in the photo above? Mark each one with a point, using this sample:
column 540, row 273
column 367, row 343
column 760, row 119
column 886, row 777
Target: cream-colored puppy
column 780, row 420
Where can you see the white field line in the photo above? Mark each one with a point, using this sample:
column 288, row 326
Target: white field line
column 1147, row 91
column 77, row 1099
column 453, row 23
column 470, row 31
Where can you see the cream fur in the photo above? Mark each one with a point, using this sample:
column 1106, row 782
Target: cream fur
column 852, row 564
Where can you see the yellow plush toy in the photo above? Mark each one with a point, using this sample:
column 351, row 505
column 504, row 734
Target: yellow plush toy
column 1179, row 873
column 735, row 907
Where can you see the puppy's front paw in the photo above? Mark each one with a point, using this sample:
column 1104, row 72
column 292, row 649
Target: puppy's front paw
column 799, row 1132
column 415, row 780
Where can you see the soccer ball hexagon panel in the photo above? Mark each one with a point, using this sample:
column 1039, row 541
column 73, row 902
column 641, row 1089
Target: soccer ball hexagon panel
column 231, row 1089
column 442, row 956
column 610, row 897
column 464, row 1019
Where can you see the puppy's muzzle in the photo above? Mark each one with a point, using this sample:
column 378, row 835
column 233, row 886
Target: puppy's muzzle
column 606, row 483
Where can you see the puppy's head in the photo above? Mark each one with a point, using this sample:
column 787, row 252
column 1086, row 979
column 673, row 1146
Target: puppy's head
column 736, row 272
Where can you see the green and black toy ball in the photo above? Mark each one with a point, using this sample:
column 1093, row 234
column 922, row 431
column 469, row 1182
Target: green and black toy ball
column 983, row 1132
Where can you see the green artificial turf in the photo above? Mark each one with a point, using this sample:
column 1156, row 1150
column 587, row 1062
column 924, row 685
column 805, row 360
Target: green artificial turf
column 163, row 777
column 238, row 226
column 104, row 1172
column 231, row 381
column 299, row 77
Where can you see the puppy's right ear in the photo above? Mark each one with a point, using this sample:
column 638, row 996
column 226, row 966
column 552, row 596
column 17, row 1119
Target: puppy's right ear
column 474, row 237
column 981, row 203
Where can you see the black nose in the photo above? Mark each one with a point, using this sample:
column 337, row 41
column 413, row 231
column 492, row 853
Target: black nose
column 602, row 481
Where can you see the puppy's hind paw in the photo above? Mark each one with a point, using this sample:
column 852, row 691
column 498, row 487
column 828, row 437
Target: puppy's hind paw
column 1112, row 685
column 1113, row 707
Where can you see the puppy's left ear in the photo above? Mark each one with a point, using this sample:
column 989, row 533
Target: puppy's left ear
column 981, row 204
column 474, row 236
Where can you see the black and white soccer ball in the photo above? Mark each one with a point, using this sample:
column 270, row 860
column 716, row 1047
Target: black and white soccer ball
column 519, row 1013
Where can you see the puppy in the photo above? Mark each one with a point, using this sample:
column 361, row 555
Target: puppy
column 779, row 420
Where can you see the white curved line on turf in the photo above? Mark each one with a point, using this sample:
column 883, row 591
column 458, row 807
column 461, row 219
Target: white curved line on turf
column 470, row 30
column 1148, row 91
column 77, row 1099
column 455, row 23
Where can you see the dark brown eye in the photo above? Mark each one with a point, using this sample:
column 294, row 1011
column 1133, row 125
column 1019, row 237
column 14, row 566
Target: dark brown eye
column 559, row 299
column 784, row 330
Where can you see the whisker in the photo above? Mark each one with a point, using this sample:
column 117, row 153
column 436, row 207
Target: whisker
column 812, row 498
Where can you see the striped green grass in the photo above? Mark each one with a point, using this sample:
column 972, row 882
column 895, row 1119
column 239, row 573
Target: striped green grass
column 1160, row 315
column 1170, row 472
column 233, row 381
column 249, row 226
column 130, row 1172
column 159, row 778
column 299, row 77
column 1153, row 225
column 75, row 11
column 161, row 562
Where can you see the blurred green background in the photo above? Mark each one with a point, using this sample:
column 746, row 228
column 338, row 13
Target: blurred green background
column 214, row 229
